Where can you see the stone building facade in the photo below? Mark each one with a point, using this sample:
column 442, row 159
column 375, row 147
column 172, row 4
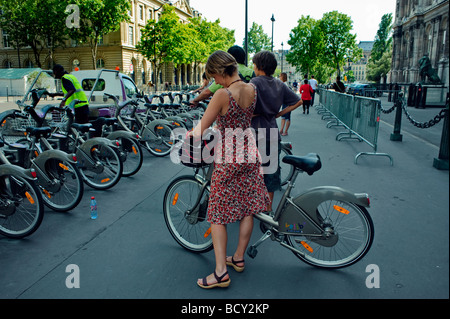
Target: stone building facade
column 116, row 50
column 421, row 27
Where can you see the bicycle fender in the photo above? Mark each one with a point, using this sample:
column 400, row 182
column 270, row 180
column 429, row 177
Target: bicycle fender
column 125, row 134
column 153, row 124
column 292, row 221
column 10, row 169
column 90, row 143
column 51, row 154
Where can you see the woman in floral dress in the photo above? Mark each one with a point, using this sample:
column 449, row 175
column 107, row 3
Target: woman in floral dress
column 237, row 184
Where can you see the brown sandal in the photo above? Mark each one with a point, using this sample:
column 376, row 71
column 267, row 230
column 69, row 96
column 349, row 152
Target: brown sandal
column 219, row 283
column 233, row 263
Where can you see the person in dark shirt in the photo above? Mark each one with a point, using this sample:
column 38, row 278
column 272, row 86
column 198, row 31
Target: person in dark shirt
column 339, row 86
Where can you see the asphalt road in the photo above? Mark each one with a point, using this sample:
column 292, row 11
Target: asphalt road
column 128, row 253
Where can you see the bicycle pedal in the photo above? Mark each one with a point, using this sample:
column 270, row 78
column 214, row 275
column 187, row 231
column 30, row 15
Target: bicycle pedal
column 252, row 251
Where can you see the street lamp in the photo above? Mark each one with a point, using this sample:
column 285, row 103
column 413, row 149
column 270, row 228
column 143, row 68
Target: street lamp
column 282, row 56
column 273, row 20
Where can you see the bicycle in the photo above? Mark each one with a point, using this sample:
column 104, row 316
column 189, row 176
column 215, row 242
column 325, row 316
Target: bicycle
column 326, row 227
column 58, row 177
column 21, row 204
column 155, row 135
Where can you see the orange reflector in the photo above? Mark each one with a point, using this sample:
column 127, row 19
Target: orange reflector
column 159, row 127
column 47, row 193
column 207, row 232
column 105, row 180
column 64, row 167
column 30, row 199
column 175, row 199
column 341, row 210
column 134, row 150
column 170, row 143
column 307, row 247
column 36, row 153
column 158, row 150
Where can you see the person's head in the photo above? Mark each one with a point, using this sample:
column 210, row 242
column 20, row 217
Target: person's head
column 283, row 76
column 238, row 53
column 306, row 81
column 338, row 78
column 221, row 64
column 58, row 71
column 265, row 61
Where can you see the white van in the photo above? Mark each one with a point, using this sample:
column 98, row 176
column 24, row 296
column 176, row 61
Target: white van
column 97, row 82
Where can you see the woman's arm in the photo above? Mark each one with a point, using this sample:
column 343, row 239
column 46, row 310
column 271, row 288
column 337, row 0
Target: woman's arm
column 218, row 102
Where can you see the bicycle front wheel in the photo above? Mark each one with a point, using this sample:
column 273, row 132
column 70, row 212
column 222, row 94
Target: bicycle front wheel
column 109, row 169
column 71, row 186
column 353, row 232
column 21, row 207
column 187, row 225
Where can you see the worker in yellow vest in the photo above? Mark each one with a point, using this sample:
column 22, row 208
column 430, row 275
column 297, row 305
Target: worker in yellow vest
column 72, row 90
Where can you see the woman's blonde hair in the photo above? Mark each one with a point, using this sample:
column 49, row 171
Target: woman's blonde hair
column 221, row 63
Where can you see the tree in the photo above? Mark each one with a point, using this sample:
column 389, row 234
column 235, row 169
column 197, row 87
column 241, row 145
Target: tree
column 257, row 39
column 164, row 41
column 306, row 41
column 207, row 38
column 380, row 59
column 97, row 18
column 339, row 43
column 39, row 24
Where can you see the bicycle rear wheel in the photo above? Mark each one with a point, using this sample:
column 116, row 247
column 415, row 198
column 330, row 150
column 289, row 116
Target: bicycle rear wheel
column 71, row 186
column 189, row 228
column 110, row 171
column 353, row 227
column 133, row 158
column 162, row 142
column 21, row 207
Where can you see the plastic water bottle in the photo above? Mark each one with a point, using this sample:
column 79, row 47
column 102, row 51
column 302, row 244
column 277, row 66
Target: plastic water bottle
column 93, row 208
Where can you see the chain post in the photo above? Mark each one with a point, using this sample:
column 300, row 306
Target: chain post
column 441, row 162
column 396, row 136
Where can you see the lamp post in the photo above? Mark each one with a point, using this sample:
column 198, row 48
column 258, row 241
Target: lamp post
column 282, row 56
column 273, row 20
column 246, row 33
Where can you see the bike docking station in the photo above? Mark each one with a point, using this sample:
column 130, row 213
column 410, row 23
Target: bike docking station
column 360, row 116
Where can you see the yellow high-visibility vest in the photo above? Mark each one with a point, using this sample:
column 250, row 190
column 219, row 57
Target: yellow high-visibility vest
column 79, row 93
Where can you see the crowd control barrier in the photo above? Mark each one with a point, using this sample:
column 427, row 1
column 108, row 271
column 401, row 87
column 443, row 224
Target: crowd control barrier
column 360, row 116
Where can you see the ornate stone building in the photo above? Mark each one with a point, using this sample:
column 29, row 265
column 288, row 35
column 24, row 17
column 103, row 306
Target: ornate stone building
column 420, row 28
column 117, row 49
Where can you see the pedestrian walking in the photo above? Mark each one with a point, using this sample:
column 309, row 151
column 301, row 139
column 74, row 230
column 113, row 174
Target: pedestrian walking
column 286, row 118
column 313, row 83
column 306, row 92
column 338, row 86
column 237, row 188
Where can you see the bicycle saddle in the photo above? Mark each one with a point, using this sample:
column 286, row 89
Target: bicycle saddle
column 82, row 127
column 39, row 131
column 310, row 163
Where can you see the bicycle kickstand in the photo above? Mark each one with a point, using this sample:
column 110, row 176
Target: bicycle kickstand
column 252, row 250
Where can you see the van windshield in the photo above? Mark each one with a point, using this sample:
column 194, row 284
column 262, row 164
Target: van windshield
column 130, row 87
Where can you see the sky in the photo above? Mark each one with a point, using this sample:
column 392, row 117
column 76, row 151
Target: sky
column 366, row 15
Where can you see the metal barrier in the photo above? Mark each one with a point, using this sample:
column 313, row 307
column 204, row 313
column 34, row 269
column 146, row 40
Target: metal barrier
column 359, row 115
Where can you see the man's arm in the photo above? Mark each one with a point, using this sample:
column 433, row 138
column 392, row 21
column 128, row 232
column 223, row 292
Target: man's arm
column 289, row 109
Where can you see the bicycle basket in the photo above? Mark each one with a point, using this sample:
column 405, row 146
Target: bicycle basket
column 196, row 153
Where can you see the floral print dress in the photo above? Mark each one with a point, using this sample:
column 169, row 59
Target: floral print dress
column 237, row 183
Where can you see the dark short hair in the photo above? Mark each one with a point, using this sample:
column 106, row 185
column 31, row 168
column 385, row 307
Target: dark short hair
column 58, row 69
column 265, row 61
column 238, row 53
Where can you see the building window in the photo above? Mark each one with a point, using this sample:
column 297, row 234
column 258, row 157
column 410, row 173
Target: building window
column 6, row 43
column 100, row 64
column 141, row 13
column 130, row 35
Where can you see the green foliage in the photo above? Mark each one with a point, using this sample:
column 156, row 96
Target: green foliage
column 306, row 41
column 340, row 44
column 257, row 39
column 380, row 60
column 98, row 17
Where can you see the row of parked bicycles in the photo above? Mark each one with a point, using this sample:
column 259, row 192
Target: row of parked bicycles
column 46, row 158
